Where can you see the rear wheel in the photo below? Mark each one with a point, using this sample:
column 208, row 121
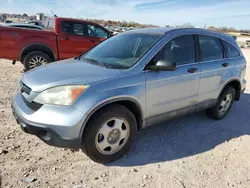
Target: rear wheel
column 35, row 59
column 109, row 134
column 224, row 104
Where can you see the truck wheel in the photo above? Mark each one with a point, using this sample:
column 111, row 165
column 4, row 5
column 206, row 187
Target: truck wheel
column 223, row 105
column 35, row 59
column 109, row 134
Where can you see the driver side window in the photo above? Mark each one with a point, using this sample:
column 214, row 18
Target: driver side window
column 95, row 31
column 180, row 50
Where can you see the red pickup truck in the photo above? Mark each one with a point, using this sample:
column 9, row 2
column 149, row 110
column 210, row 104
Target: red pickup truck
column 63, row 38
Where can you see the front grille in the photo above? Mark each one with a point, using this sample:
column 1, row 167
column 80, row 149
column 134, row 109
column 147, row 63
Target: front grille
column 32, row 105
column 25, row 88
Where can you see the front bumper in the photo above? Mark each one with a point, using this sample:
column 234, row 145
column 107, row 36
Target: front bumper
column 58, row 126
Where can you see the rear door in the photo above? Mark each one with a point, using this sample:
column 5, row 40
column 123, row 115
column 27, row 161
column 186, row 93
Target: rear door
column 214, row 68
column 76, row 38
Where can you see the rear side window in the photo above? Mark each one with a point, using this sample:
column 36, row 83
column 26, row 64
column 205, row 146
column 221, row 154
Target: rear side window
column 79, row 29
column 75, row 28
column 230, row 50
column 210, row 48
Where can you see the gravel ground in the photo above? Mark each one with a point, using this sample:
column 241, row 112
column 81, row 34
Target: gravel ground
column 193, row 151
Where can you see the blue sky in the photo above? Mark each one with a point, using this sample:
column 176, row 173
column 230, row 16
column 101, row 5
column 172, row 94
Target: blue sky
column 234, row 13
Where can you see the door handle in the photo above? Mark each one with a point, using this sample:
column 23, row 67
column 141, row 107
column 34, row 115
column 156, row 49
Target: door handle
column 93, row 41
column 66, row 38
column 192, row 70
column 225, row 64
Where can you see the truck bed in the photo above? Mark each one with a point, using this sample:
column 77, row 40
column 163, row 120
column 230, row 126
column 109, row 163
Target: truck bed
column 14, row 40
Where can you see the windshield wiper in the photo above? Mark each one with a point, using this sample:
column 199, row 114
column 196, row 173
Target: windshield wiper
column 112, row 66
column 95, row 62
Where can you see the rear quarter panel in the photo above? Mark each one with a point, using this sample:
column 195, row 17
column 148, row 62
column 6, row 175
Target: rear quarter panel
column 214, row 77
column 240, row 70
column 14, row 40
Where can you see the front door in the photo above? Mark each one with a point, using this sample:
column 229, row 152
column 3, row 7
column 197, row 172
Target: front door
column 169, row 93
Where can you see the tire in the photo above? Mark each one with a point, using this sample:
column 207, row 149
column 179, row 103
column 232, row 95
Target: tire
column 92, row 136
column 32, row 56
column 217, row 112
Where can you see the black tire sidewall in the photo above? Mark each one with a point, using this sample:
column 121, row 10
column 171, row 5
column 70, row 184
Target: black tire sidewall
column 31, row 55
column 214, row 112
column 95, row 124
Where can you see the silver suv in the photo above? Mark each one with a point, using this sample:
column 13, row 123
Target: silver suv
column 98, row 101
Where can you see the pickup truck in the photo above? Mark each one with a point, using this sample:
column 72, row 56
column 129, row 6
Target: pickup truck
column 63, row 38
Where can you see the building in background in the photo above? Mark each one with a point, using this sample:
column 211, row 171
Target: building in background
column 40, row 16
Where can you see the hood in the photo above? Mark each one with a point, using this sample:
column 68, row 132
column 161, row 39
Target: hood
column 66, row 72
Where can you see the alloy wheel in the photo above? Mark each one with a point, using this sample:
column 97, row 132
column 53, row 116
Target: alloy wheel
column 37, row 61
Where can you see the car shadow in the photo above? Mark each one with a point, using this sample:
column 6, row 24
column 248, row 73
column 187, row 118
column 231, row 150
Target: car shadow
column 187, row 136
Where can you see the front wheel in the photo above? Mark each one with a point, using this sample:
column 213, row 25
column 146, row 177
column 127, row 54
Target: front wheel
column 223, row 105
column 109, row 134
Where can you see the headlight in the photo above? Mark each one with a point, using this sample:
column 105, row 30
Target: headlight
column 62, row 95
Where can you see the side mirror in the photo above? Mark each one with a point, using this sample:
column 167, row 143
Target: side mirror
column 162, row 65
column 111, row 34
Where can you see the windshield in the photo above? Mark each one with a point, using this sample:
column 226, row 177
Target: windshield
column 122, row 51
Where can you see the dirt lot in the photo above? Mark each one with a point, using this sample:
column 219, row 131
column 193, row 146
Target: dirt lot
column 193, row 151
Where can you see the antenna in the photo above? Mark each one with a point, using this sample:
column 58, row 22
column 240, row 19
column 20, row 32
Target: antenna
column 53, row 13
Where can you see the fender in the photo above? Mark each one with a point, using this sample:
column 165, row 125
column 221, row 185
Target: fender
column 107, row 102
column 226, row 83
column 40, row 44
